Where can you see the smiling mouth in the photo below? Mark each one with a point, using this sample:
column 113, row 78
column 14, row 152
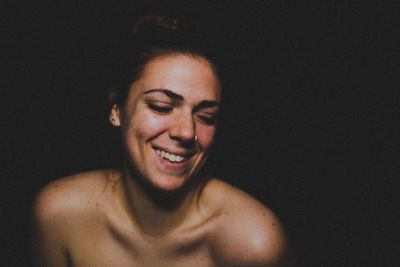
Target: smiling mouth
column 174, row 158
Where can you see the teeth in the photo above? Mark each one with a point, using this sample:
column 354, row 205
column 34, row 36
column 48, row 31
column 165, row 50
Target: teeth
column 169, row 156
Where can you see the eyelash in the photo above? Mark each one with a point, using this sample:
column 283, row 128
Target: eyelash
column 209, row 119
column 160, row 109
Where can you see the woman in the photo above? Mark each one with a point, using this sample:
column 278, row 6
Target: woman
column 161, row 208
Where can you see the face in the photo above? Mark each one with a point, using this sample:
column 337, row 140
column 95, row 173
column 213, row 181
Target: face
column 169, row 119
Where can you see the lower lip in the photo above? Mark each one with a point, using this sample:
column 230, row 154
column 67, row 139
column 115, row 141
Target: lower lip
column 171, row 165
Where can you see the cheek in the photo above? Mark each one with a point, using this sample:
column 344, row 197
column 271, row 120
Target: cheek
column 206, row 136
column 145, row 126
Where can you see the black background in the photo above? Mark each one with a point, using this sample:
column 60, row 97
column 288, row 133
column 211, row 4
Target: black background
column 309, row 126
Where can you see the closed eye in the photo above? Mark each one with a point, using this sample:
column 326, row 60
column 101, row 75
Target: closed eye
column 160, row 107
column 208, row 118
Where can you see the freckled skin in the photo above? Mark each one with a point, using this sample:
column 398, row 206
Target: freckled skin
column 142, row 128
column 120, row 218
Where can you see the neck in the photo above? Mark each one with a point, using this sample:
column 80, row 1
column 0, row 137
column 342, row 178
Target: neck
column 154, row 212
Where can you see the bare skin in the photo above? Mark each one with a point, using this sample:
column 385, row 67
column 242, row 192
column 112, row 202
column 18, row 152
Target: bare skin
column 82, row 221
column 160, row 209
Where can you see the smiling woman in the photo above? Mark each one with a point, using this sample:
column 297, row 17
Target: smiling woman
column 161, row 208
column 169, row 130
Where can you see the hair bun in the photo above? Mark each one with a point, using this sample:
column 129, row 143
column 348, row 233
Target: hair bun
column 155, row 22
column 154, row 29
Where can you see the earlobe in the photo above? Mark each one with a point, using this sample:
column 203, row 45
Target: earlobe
column 114, row 116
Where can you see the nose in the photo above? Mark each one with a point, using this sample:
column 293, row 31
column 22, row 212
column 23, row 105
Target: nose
column 183, row 128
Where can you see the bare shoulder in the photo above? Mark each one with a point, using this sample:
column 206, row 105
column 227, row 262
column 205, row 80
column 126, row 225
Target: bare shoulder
column 62, row 210
column 247, row 233
column 69, row 196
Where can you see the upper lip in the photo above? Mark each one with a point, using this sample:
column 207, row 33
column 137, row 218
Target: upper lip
column 185, row 154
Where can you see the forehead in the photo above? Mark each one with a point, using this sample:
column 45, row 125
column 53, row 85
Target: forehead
column 190, row 76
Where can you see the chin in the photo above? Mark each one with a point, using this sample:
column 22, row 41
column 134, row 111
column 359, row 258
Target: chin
column 169, row 184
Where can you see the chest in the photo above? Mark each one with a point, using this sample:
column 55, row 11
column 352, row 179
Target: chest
column 108, row 247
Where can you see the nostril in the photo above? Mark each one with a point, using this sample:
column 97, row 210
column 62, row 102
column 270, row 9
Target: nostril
column 189, row 144
column 188, row 141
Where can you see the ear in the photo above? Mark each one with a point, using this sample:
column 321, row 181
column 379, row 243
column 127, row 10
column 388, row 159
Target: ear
column 114, row 116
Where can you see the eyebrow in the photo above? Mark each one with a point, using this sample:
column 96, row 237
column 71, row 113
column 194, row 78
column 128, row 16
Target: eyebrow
column 208, row 104
column 177, row 97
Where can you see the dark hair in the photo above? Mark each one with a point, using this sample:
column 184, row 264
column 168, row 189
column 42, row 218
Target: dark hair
column 156, row 35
